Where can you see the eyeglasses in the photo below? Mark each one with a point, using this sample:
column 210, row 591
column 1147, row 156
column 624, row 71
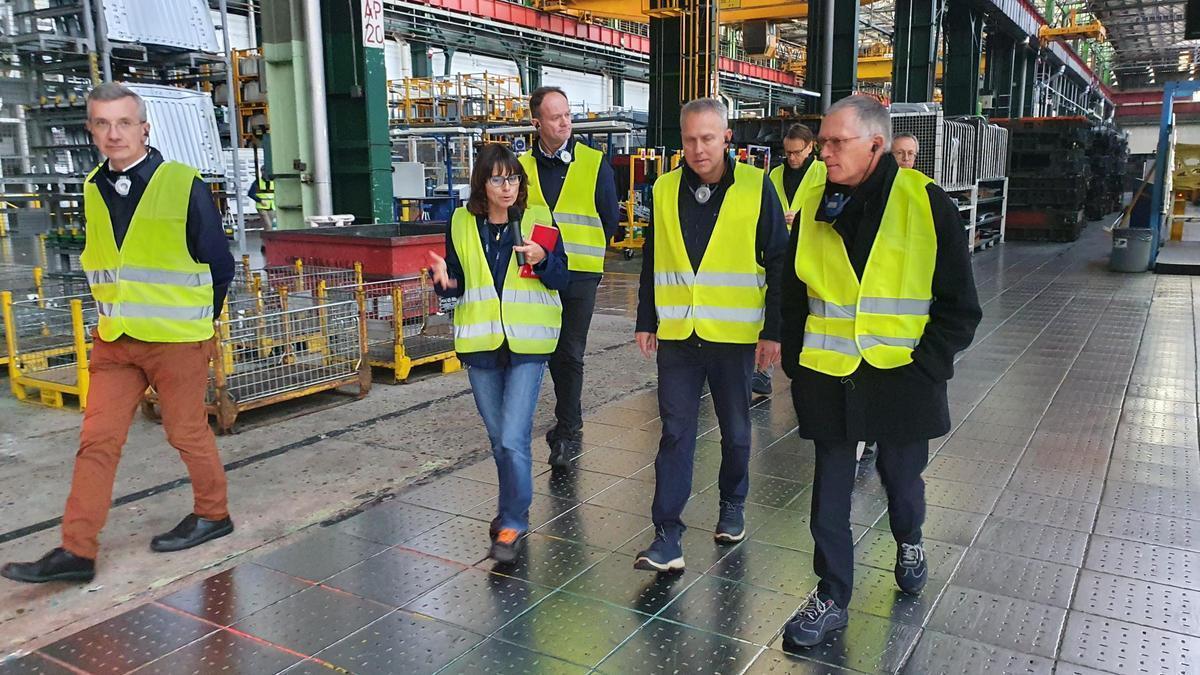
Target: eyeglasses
column 905, row 154
column 513, row 179
column 797, row 153
column 102, row 126
column 834, row 144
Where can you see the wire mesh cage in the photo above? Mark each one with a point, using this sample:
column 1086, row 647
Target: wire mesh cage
column 408, row 325
column 47, row 341
column 59, row 252
column 958, row 156
column 992, row 156
column 276, row 347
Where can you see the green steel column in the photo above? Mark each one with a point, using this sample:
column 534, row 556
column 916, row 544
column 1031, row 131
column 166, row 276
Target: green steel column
column 915, row 57
column 618, row 91
column 531, row 74
column 1029, row 63
column 1049, row 16
column 448, row 66
column 286, row 75
column 1000, row 70
column 964, row 51
column 666, row 92
column 845, row 48
column 356, row 94
column 422, row 65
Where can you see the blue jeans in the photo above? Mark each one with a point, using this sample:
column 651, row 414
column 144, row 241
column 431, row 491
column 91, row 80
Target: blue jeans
column 683, row 368
column 507, row 399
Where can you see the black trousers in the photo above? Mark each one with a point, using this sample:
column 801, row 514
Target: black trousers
column 900, row 466
column 683, row 368
column 566, row 364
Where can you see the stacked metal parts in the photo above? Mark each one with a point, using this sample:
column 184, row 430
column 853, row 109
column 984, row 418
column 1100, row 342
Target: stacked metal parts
column 1048, row 177
column 1108, row 152
column 166, row 50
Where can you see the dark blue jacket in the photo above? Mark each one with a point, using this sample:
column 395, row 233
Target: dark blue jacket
column 552, row 271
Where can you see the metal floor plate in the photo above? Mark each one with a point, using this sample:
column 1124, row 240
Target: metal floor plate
column 222, row 652
column 33, row 664
column 613, row 580
column 479, row 601
column 994, row 619
column 1149, row 528
column 868, row 644
column 1033, row 541
column 665, row 647
column 1142, row 602
column 1160, row 564
column 598, row 526
column 573, row 628
column 320, row 555
column 311, row 619
column 128, row 640
column 1118, row 646
column 771, row 567
column 1014, row 576
column 400, row 643
column 942, row 654
column 395, row 576
column 547, row 561
column 1043, row 510
column 875, row 592
column 391, row 523
column 451, row 494
column 500, row 657
column 732, row 609
column 461, row 539
column 877, row 548
column 235, row 593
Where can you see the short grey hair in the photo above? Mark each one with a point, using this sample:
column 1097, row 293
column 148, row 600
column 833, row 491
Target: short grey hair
column 916, row 141
column 115, row 91
column 873, row 118
column 703, row 105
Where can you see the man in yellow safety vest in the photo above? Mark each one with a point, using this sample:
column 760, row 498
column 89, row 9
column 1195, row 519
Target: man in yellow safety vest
column 158, row 265
column 709, row 305
column 577, row 184
column 878, row 299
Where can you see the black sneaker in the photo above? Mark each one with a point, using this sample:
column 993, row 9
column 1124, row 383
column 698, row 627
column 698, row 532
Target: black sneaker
column 911, row 569
column 760, row 383
column 817, row 618
column 664, row 555
column 505, row 546
column 731, row 525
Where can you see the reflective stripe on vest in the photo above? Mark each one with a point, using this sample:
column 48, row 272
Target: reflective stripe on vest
column 882, row 318
column 150, row 288
column 527, row 314
column 575, row 213
column 724, row 301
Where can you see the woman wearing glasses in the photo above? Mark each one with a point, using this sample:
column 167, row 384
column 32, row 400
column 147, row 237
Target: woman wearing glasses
column 506, row 324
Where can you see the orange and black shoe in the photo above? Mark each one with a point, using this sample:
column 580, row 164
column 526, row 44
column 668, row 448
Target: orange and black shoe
column 504, row 546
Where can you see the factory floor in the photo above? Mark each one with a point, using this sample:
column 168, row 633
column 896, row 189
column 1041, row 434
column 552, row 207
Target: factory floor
column 1062, row 529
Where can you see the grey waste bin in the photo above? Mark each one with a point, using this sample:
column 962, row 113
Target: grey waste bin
column 1130, row 249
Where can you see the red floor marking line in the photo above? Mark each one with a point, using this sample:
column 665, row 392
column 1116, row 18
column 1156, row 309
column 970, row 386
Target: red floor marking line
column 237, row 632
column 61, row 664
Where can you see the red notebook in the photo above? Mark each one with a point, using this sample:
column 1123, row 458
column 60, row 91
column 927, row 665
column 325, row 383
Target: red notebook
column 545, row 236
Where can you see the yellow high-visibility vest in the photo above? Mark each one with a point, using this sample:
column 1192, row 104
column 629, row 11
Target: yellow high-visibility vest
column 777, row 181
column 882, row 318
column 527, row 313
column 725, row 300
column 575, row 213
column 150, row 288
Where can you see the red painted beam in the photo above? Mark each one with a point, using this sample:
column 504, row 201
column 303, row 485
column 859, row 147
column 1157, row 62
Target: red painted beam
column 527, row 17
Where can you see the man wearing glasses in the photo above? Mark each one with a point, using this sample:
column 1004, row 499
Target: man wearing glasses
column 905, row 148
column 158, row 266
column 576, row 183
column 878, row 299
column 798, row 156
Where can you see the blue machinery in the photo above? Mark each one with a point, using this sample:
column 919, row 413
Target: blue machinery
column 1158, row 204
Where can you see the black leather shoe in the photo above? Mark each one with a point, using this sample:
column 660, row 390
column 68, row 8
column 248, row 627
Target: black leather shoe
column 191, row 531
column 57, row 565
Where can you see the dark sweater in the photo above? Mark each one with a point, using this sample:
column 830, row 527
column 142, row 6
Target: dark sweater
column 552, row 173
column 205, row 231
column 792, row 178
column 896, row 404
column 552, row 271
column 697, row 222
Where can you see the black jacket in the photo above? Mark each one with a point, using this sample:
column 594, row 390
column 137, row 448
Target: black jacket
column 899, row 404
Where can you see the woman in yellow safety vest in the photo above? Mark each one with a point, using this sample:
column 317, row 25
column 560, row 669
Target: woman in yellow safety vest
column 506, row 324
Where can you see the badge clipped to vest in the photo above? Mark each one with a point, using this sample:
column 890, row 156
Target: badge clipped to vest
column 122, row 185
column 545, row 236
column 564, row 156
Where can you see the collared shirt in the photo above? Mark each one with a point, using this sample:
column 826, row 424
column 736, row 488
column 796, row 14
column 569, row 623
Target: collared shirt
column 552, row 173
column 205, row 230
column 697, row 222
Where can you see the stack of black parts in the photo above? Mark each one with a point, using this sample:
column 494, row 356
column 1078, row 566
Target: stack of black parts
column 1049, row 173
column 1108, row 151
